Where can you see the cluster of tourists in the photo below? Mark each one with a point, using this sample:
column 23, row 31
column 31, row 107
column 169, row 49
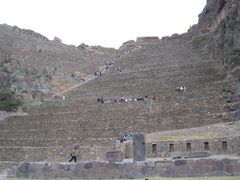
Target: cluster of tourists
column 59, row 97
column 108, row 64
column 98, row 73
column 181, row 89
column 124, row 99
column 125, row 137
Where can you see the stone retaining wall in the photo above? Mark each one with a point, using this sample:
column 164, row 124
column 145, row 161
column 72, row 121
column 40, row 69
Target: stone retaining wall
column 156, row 149
column 213, row 166
column 215, row 146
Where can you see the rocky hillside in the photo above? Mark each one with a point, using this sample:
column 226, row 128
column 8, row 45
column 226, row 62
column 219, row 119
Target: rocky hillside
column 218, row 35
column 218, row 29
column 32, row 66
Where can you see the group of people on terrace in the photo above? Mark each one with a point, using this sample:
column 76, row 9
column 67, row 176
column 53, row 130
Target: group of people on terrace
column 181, row 89
column 124, row 99
column 98, row 73
column 108, row 63
column 125, row 137
column 111, row 63
column 59, row 97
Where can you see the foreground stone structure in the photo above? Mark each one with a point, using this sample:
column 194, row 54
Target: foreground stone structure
column 212, row 166
column 222, row 138
column 114, row 156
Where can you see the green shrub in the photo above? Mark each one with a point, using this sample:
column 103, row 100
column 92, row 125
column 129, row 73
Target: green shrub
column 8, row 100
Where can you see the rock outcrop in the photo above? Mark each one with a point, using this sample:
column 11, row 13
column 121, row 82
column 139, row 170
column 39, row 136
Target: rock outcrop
column 33, row 66
column 217, row 35
column 219, row 26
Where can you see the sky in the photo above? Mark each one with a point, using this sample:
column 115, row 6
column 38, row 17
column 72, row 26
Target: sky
column 108, row 23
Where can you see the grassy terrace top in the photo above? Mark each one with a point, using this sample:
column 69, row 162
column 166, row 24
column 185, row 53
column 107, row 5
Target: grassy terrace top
column 208, row 132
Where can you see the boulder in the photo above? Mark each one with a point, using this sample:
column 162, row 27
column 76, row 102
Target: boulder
column 114, row 156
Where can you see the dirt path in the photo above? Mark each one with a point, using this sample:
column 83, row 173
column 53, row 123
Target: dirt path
column 77, row 85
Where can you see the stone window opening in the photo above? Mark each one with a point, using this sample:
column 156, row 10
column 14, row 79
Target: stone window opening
column 154, row 148
column 171, row 147
column 206, row 146
column 189, row 148
column 224, row 146
column 127, row 151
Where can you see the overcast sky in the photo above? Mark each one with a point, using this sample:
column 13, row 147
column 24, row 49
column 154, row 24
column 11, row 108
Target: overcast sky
column 107, row 23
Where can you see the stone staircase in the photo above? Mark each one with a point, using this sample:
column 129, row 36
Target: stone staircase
column 49, row 132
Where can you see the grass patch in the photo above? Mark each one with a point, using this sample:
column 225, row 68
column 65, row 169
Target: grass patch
column 183, row 137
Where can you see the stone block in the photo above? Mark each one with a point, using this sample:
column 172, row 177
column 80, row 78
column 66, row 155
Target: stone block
column 25, row 170
column 180, row 162
column 114, row 156
column 139, row 149
column 198, row 154
column 88, row 165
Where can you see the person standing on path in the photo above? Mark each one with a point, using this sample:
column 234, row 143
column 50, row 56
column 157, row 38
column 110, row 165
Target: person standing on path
column 73, row 155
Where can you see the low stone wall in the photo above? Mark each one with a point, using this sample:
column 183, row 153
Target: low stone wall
column 212, row 166
column 148, row 40
column 215, row 146
column 156, row 149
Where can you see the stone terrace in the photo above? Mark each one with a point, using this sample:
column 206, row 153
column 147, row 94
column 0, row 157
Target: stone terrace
column 49, row 132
